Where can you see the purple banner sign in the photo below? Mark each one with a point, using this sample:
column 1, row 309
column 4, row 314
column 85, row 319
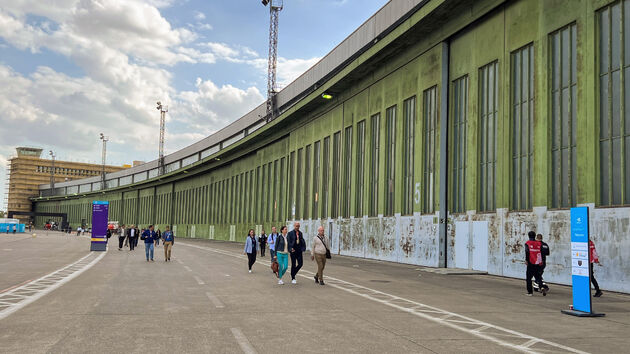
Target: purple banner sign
column 100, row 217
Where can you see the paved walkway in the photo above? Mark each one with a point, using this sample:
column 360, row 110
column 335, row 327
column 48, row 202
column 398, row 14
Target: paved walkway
column 205, row 301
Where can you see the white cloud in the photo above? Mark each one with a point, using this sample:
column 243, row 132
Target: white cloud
column 199, row 16
column 213, row 107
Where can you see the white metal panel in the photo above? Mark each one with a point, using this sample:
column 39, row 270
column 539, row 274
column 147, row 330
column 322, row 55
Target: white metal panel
column 480, row 245
column 462, row 240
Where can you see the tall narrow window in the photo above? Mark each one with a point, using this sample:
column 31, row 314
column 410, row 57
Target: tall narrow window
column 270, row 191
column 390, row 160
column 281, row 189
column 298, row 185
column 488, row 111
column 614, row 110
column 316, row 169
column 347, row 171
column 360, row 169
column 247, row 205
column 275, row 180
column 409, row 119
column 258, row 195
column 325, row 176
column 458, row 145
column 429, row 155
column 563, row 98
column 307, row 179
column 375, row 140
column 291, row 174
column 336, row 174
column 522, row 98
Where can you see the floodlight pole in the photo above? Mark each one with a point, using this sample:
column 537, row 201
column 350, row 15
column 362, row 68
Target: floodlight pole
column 52, row 171
column 274, row 10
column 103, row 157
column 163, row 110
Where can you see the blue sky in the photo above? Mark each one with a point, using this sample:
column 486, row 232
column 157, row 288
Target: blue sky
column 75, row 68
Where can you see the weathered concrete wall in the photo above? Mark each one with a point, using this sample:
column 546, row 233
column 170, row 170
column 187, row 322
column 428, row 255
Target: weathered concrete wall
column 413, row 240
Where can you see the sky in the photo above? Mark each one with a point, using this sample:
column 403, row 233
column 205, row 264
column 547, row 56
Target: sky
column 72, row 69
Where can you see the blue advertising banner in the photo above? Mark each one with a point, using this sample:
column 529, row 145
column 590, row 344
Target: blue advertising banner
column 100, row 216
column 580, row 260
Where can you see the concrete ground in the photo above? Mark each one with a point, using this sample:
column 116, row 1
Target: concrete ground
column 206, row 301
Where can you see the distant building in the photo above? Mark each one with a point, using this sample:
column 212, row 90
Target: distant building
column 28, row 170
column 138, row 163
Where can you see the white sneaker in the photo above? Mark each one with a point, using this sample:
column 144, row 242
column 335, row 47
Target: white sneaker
column 293, row 281
column 280, row 282
column 250, row 270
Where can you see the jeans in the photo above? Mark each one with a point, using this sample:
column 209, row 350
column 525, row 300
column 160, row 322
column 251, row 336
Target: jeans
column 272, row 254
column 251, row 259
column 296, row 263
column 283, row 263
column 533, row 270
column 148, row 249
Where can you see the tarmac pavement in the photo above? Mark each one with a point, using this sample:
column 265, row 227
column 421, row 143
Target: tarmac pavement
column 204, row 301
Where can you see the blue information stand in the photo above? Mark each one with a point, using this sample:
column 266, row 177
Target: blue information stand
column 580, row 265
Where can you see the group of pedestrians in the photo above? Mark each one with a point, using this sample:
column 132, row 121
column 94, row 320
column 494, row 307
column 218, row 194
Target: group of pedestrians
column 130, row 236
column 287, row 245
column 536, row 252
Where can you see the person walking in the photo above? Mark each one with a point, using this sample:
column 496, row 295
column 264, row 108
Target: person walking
column 121, row 237
column 282, row 253
column 262, row 240
column 533, row 258
column 79, row 231
column 148, row 236
column 271, row 240
column 137, row 238
column 319, row 251
column 158, row 236
column 544, row 250
column 297, row 246
column 30, row 226
column 250, row 249
column 132, row 234
column 168, row 241
column 594, row 258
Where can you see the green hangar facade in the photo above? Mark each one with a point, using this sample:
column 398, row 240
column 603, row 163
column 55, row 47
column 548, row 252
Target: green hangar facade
column 454, row 128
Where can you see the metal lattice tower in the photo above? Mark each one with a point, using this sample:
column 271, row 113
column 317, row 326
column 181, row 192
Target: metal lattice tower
column 103, row 160
column 274, row 11
column 163, row 110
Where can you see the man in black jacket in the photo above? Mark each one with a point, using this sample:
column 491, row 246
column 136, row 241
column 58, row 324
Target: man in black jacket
column 297, row 246
column 544, row 251
column 132, row 234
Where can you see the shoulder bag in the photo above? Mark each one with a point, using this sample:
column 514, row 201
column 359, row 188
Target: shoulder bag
column 328, row 255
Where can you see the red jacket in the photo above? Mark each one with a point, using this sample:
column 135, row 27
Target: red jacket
column 592, row 252
column 533, row 254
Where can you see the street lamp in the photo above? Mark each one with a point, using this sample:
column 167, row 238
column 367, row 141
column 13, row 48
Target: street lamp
column 105, row 139
column 52, row 171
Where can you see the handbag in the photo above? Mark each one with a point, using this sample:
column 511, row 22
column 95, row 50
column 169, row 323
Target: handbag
column 328, row 255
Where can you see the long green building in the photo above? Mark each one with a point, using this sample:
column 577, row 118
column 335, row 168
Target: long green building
column 439, row 133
